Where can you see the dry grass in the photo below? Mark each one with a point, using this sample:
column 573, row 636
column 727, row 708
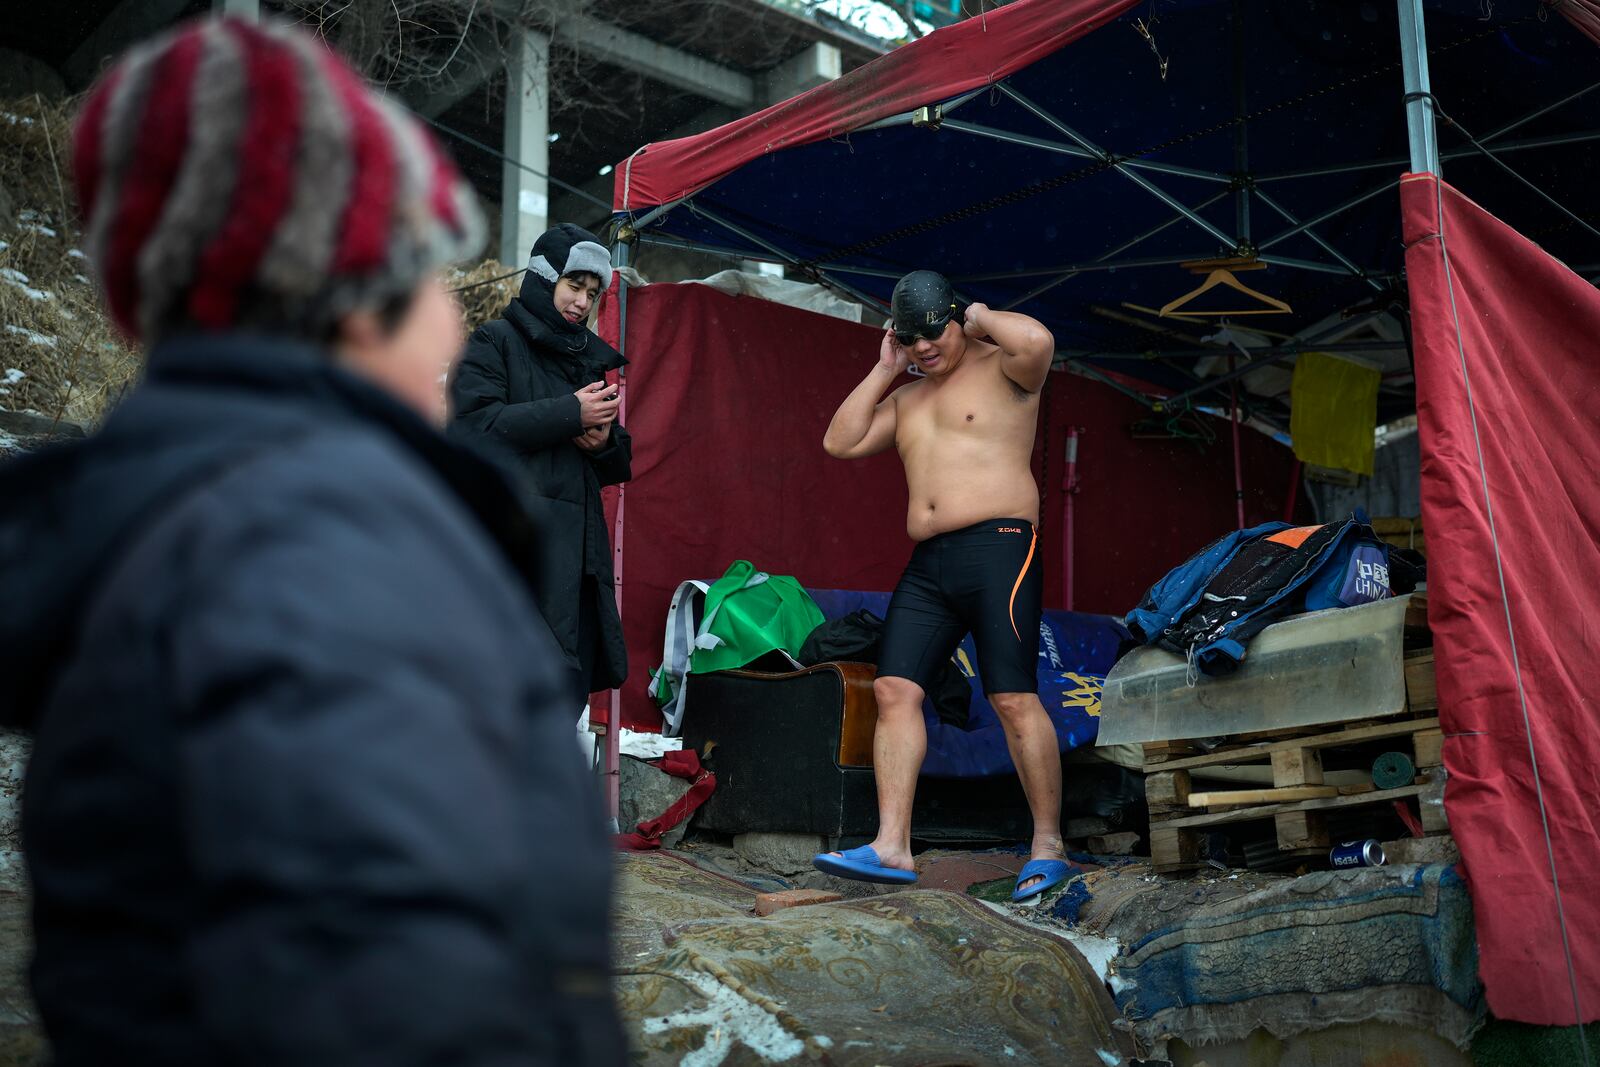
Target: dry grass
column 59, row 355
column 489, row 293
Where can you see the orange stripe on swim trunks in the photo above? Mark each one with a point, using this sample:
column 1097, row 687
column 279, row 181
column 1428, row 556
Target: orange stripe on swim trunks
column 1011, row 608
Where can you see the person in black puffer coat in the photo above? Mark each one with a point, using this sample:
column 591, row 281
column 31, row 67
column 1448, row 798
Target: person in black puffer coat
column 303, row 786
column 533, row 383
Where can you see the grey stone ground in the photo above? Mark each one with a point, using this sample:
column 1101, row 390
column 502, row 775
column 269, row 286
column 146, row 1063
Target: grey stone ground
column 19, row 1036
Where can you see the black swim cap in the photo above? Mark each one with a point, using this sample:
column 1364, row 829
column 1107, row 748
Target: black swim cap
column 922, row 303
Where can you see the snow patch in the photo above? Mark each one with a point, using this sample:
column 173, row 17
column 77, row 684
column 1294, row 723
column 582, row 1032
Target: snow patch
column 728, row 1020
column 32, row 337
column 34, row 222
column 1098, row 951
column 12, row 375
column 16, row 120
column 76, row 253
column 20, row 280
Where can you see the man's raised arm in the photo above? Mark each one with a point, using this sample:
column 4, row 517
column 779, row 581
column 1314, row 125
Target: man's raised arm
column 864, row 424
column 1026, row 347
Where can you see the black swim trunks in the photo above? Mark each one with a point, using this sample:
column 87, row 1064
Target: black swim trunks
column 986, row 580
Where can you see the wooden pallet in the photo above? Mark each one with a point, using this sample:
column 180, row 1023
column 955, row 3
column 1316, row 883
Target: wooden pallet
column 1298, row 801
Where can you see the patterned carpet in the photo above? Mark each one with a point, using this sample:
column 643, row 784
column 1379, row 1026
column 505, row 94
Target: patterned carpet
column 921, row 977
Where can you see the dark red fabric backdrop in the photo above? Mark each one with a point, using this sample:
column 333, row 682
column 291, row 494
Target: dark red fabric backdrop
column 1528, row 355
column 728, row 398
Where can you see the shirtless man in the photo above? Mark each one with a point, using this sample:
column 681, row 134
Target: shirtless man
column 965, row 435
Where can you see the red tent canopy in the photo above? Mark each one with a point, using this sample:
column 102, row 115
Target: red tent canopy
column 956, row 59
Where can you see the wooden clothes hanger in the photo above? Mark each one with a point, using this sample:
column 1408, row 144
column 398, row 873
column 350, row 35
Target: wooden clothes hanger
column 1224, row 276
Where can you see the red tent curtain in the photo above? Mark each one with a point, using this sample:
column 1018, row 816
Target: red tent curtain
column 1508, row 382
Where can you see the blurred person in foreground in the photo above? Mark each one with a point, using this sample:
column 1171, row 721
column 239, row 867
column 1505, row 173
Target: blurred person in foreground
column 301, row 749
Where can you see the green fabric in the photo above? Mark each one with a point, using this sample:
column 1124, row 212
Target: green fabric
column 749, row 613
column 663, row 688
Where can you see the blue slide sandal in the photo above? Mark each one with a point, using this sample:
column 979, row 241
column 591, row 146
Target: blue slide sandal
column 862, row 865
column 1054, row 873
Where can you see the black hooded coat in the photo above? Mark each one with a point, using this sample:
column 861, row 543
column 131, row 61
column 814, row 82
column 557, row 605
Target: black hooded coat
column 515, row 386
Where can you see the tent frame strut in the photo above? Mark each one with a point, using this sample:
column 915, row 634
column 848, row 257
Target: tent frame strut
column 1119, row 165
column 818, row 273
column 1076, row 152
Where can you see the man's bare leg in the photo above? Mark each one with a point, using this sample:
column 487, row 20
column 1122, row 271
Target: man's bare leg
column 898, row 744
column 1031, row 737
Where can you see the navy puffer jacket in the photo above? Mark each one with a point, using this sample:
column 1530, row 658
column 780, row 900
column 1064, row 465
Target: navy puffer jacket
column 302, row 747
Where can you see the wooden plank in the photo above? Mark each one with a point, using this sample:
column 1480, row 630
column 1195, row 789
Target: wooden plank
column 1269, row 810
column 1422, row 693
column 1261, row 796
column 1297, row 766
column 1417, row 612
column 1172, row 848
column 1300, row 829
column 1434, row 820
column 1329, row 740
column 1223, row 798
column 1167, row 791
column 1161, row 751
column 1429, row 748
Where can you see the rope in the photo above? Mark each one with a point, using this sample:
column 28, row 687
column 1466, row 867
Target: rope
column 1027, row 192
column 488, row 281
column 552, row 179
column 627, row 178
column 1511, row 633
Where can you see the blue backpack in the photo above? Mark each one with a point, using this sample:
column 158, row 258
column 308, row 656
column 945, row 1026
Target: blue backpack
column 1209, row 608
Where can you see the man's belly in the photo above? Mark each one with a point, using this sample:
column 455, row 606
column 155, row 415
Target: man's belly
column 949, row 500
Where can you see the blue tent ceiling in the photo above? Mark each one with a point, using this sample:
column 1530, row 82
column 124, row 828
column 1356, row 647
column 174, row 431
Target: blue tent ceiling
column 1321, row 87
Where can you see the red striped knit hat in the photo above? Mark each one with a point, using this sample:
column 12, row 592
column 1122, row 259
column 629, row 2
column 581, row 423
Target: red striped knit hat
column 235, row 176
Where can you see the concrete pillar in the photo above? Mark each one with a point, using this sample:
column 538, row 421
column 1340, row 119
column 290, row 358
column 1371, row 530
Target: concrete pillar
column 244, row 9
column 525, row 197
column 817, row 65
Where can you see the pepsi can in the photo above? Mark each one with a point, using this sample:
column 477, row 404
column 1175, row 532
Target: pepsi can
column 1366, row 853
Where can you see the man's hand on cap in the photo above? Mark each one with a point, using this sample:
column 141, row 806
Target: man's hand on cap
column 970, row 326
column 891, row 355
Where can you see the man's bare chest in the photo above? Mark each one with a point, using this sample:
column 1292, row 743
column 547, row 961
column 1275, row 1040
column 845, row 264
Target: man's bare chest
column 980, row 409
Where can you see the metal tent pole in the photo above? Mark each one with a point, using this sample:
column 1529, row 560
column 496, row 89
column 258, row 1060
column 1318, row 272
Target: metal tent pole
column 1419, row 105
column 1233, row 423
column 621, row 253
column 1241, row 136
column 1069, row 490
